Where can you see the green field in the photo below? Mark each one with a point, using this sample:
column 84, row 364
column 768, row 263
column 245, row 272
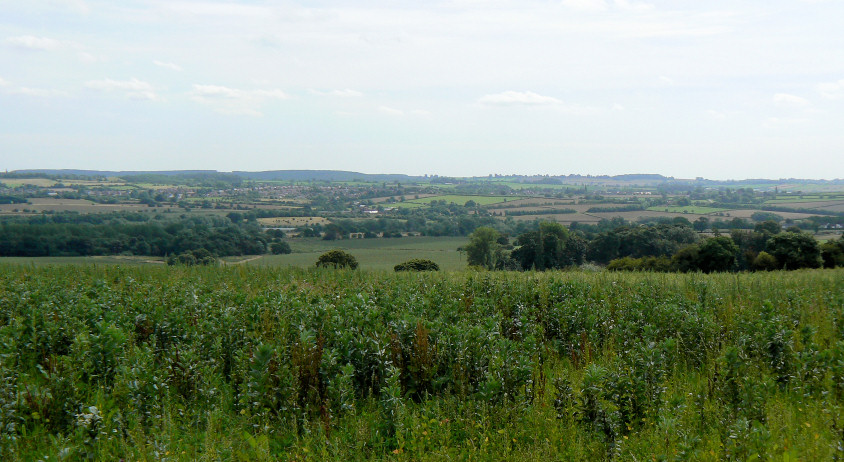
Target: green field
column 805, row 198
column 374, row 254
column 687, row 209
column 462, row 199
column 163, row 363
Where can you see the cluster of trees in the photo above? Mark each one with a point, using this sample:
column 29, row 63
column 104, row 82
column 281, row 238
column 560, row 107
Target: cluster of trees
column 673, row 246
column 71, row 234
column 550, row 246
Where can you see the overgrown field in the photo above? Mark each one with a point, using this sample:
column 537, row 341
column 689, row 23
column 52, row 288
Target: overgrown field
column 261, row 364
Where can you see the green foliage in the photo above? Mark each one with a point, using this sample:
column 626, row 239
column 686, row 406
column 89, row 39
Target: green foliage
column 794, row 250
column 717, row 254
column 337, row 259
column 417, row 264
column 765, row 262
column 193, row 257
column 224, row 363
column 483, row 249
column 832, row 253
column 552, row 246
column 280, row 248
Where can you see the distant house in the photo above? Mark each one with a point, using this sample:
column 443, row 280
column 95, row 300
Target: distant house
column 356, row 235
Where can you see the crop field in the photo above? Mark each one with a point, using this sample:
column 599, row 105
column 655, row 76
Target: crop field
column 533, row 202
column 15, row 182
column 461, row 199
column 804, row 204
column 81, row 206
column 242, row 363
column 564, row 218
column 293, row 222
column 747, row 213
column 688, row 209
column 636, row 215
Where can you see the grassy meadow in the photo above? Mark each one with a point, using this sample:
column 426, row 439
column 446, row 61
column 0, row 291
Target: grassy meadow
column 246, row 363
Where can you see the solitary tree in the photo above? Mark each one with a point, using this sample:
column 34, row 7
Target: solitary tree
column 337, row 259
column 483, row 248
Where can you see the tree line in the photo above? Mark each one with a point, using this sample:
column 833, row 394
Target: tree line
column 70, row 234
column 665, row 247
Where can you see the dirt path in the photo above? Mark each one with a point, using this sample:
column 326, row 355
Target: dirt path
column 246, row 260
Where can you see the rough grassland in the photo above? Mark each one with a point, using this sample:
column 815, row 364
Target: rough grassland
column 155, row 363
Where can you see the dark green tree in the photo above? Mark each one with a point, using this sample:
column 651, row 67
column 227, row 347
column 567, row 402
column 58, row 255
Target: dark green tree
column 795, row 250
column 337, row 259
column 717, row 254
column 483, row 249
column 417, row 264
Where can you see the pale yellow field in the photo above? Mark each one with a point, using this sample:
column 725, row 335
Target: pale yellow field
column 14, row 182
column 293, row 221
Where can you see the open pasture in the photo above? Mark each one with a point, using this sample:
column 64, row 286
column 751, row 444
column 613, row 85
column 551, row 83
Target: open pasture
column 374, row 254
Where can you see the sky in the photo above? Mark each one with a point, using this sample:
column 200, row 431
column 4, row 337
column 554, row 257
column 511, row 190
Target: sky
column 684, row 88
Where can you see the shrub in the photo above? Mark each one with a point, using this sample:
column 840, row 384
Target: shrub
column 278, row 248
column 192, row 257
column 337, row 259
column 417, row 264
column 764, row 262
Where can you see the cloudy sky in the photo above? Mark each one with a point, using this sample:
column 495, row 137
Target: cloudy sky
column 719, row 89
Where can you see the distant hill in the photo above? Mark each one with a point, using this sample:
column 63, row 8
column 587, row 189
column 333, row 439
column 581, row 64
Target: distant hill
column 324, row 175
column 342, row 175
column 109, row 173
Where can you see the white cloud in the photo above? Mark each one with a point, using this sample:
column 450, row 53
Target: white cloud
column 166, row 65
column 391, row 111
column 517, row 98
column 399, row 112
column 87, row 57
column 30, row 42
column 832, row 90
column 38, row 92
column 666, row 80
column 3, row 82
column 785, row 99
column 716, row 114
column 586, row 5
column 134, row 89
column 629, row 5
column 347, row 93
column 234, row 101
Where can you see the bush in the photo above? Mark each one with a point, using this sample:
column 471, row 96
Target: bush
column 192, row 257
column 765, row 262
column 278, row 248
column 417, row 264
column 337, row 259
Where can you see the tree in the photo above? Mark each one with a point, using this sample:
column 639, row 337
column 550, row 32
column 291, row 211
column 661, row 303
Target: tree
column 417, row 264
column 832, row 253
column 686, row 259
column 795, row 250
column 483, row 249
column 717, row 254
column 770, row 227
column 552, row 246
column 337, row 259
column 279, row 248
column 765, row 262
